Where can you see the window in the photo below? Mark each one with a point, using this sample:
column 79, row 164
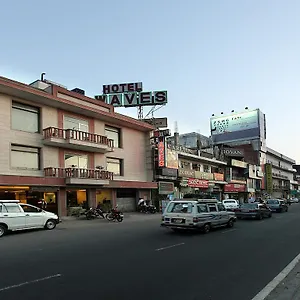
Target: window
column 25, row 117
column 76, row 124
column 206, row 168
column 23, row 157
column 180, row 207
column 76, row 161
column 212, row 208
column 30, row 209
column 115, row 165
column 202, row 208
column 221, row 207
column 196, row 167
column 12, row 208
column 114, row 134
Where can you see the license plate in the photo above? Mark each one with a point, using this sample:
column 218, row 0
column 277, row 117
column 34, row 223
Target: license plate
column 245, row 210
column 178, row 221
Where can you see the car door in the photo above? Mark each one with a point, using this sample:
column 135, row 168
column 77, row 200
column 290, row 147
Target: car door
column 34, row 216
column 224, row 215
column 215, row 215
column 13, row 216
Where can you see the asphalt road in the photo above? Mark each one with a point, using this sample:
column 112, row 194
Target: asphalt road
column 139, row 260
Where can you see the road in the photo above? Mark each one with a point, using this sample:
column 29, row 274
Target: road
column 139, row 260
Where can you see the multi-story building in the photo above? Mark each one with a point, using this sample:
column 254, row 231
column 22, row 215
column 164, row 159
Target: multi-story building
column 69, row 149
column 280, row 174
column 192, row 140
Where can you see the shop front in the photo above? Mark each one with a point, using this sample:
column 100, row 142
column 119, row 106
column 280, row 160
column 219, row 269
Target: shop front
column 235, row 191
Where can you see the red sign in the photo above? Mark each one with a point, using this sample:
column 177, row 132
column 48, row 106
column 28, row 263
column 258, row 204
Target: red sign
column 218, row 177
column 197, row 183
column 234, row 188
column 161, row 154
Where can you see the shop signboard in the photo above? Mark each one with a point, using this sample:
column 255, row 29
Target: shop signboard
column 170, row 172
column 234, row 188
column 239, row 164
column 161, row 154
column 165, row 187
column 186, row 173
column 269, row 178
column 157, row 122
column 233, row 152
column 172, row 159
column 198, row 183
column 161, row 133
column 218, row 177
column 204, row 175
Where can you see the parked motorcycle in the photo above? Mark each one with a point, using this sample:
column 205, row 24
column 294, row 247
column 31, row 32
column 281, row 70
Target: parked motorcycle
column 147, row 209
column 94, row 213
column 115, row 215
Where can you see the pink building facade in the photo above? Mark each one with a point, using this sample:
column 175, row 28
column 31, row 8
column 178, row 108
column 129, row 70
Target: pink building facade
column 69, row 149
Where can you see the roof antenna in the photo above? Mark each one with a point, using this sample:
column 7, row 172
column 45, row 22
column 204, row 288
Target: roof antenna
column 42, row 76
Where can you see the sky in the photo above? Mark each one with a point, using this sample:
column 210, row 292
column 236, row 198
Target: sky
column 211, row 56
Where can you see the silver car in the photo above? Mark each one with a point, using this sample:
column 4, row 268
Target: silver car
column 193, row 214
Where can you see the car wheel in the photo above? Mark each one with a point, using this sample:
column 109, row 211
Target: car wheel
column 206, row 228
column 230, row 223
column 3, row 230
column 50, row 224
column 260, row 217
column 270, row 215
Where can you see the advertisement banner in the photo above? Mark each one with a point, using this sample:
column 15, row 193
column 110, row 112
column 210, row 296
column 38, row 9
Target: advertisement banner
column 235, row 127
column 234, row 188
column 186, row 173
column 239, row 164
column 161, row 154
column 198, row 183
column 204, row 175
column 165, row 188
column 172, row 159
column 218, row 177
column 269, row 179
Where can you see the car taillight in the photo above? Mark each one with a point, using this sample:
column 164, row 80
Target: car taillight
column 252, row 210
column 237, row 209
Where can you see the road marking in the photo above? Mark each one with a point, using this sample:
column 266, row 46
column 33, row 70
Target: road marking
column 29, row 282
column 229, row 230
column 266, row 291
column 168, row 247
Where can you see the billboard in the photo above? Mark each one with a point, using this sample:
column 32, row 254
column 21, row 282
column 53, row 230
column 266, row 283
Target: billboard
column 131, row 95
column 236, row 127
column 172, row 159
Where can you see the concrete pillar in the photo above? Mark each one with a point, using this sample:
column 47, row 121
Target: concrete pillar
column 113, row 198
column 91, row 197
column 62, row 202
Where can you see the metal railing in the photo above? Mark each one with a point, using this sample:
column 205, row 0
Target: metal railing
column 53, row 132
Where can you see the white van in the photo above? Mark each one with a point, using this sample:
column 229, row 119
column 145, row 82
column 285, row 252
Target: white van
column 197, row 214
column 19, row 216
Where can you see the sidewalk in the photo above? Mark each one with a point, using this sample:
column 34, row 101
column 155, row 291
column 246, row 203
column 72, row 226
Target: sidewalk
column 289, row 288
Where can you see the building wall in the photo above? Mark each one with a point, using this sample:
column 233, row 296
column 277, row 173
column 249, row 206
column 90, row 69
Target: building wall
column 133, row 151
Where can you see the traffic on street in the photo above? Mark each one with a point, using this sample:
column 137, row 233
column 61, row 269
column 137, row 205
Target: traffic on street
column 137, row 259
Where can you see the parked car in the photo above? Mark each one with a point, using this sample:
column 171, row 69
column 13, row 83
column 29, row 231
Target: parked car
column 18, row 216
column 253, row 210
column 294, row 200
column 231, row 204
column 196, row 214
column 277, row 205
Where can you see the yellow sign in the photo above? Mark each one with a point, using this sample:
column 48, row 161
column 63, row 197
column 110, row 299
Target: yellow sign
column 172, row 159
column 269, row 179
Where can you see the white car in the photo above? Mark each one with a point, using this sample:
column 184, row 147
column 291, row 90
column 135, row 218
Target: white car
column 19, row 216
column 294, row 200
column 231, row 204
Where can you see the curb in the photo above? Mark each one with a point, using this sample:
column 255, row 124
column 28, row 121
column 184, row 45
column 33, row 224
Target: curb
column 270, row 287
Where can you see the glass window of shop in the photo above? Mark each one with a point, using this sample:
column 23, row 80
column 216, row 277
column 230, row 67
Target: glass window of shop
column 76, row 198
column 76, row 161
column 25, row 117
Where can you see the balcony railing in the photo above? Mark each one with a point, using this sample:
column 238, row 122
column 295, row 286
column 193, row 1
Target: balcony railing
column 53, row 132
column 78, row 173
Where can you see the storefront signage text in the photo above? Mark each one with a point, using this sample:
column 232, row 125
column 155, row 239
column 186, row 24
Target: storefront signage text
column 161, row 133
column 161, row 154
column 232, row 152
column 238, row 163
column 165, row 188
column 218, row 177
column 169, row 172
column 204, row 175
column 198, row 183
column 234, row 188
column 186, row 173
column 122, row 88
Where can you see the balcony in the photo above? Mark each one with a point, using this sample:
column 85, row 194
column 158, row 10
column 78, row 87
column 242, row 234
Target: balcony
column 80, row 176
column 75, row 139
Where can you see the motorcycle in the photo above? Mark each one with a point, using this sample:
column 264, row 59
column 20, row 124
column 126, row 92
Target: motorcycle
column 114, row 215
column 93, row 213
column 147, row 209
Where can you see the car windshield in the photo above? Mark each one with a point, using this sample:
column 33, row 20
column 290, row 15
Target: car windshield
column 272, row 202
column 180, row 207
column 249, row 205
